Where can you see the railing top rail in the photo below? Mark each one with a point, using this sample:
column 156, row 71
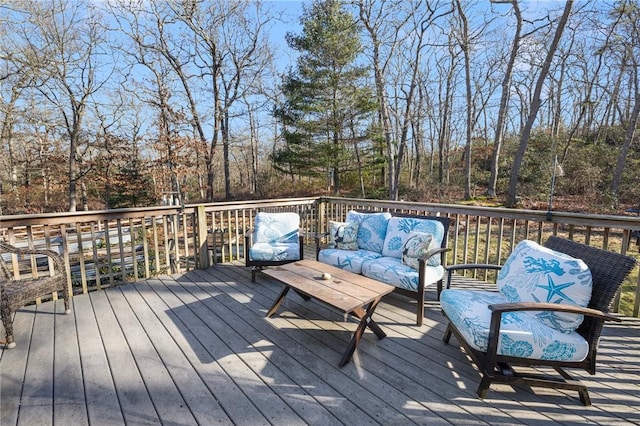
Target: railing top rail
column 9, row 221
column 256, row 204
column 569, row 218
column 84, row 216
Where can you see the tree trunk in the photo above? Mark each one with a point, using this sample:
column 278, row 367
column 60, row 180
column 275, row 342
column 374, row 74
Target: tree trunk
column 535, row 107
column 467, row 79
column 504, row 99
column 444, row 125
column 628, row 140
column 225, row 154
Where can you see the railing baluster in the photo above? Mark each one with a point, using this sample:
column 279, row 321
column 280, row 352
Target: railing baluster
column 83, row 269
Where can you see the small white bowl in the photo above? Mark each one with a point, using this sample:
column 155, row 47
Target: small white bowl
column 326, row 276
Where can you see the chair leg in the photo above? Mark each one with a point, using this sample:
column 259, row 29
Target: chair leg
column 7, row 322
column 447, row 334
column 575, row 384
column 483, row 387
column 67, row 309
column 253, row 274
column 420, row 308
column 584, row 396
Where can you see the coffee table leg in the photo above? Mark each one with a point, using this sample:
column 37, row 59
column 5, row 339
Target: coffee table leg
column 360, row 313
column 365, row 321
column 278, row 301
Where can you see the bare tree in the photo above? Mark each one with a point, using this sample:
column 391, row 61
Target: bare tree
column 465, row 41
column 629, row 49
column 536, row 101
column 213, row 48
column 63, row 43
column 504, row 100
column 385, row 23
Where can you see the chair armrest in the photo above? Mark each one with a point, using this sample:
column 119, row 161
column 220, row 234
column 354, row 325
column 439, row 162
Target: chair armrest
column 473, row 266
column 317, row 238
column 499, row 308
column 422, row 269
column 57, row 259
column 320, row 235
column 432, row 253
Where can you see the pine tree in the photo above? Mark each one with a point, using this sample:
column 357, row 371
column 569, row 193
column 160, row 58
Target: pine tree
column 328, row 103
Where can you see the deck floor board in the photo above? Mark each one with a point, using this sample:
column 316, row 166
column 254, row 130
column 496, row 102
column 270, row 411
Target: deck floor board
column 196, row 348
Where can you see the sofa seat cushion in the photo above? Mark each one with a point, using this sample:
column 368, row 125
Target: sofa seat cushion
column 521, row 334
column 400, row 229
column 372, row 228
column 275, row 251
column 392, row 271
column 349, row 260
column 533, row 273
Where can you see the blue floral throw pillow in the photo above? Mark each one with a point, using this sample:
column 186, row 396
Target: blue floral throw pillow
column 343, row 235
column 416, row 246
column 533, row 273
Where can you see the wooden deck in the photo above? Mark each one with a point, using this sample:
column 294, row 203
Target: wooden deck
column 196, row 348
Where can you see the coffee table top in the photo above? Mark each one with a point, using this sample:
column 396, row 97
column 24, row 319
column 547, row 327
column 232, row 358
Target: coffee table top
column 345, row 290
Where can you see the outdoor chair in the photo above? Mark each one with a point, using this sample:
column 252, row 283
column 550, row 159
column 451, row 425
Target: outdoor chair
column 549, row 310
column 18, row 292
column 274, row 240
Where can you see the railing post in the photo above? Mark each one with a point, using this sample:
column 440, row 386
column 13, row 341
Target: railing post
column 320, row 207
column 203, row 249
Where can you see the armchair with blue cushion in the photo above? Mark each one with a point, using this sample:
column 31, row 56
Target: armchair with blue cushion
column 274, row 240
column 549, row 310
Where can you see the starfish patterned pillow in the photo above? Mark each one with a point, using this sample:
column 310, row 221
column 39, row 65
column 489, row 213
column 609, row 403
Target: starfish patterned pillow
column 533, row 273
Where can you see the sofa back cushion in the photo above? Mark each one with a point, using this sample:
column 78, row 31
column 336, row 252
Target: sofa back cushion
column 274, row 228
column 400, row 228
column 372, row 228
column 533, row 273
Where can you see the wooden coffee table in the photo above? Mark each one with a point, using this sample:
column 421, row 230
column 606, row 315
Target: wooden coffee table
column 348, row 292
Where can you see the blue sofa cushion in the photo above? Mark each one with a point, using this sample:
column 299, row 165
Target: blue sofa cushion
column 521, row 335
column 400, row 228
column 349, row 260
column 372, row 228
column 533, row 273
column 392, row 271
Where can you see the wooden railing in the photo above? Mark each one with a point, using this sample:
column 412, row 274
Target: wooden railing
column 105, row 248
